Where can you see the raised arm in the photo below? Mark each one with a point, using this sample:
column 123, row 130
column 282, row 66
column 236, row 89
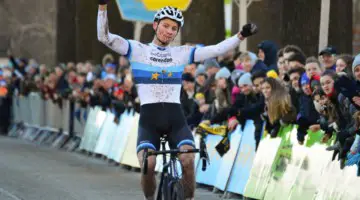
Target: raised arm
column 114, row 42
column 221, row 48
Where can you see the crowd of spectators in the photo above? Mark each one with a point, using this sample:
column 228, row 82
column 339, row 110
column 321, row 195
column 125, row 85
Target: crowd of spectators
column 272, row 86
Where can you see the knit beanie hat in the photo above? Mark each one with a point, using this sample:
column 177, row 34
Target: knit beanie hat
column 245, row 79
column 356, row 62
column 223, row 73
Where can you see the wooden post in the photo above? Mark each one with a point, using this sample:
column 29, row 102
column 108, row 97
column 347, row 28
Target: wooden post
column 137, row 30
column 324, row 24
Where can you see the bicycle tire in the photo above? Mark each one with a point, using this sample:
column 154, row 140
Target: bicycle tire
column 177, row 190
column 166, row 192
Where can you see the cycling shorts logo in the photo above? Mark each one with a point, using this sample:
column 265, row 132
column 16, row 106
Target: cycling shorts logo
column 162, row 60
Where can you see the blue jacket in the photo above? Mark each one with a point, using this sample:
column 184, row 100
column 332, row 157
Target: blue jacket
column 270, row 50
column 307, row 109
column 259, row 66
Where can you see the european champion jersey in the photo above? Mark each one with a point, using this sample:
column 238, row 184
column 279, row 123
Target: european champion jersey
column 157, row 70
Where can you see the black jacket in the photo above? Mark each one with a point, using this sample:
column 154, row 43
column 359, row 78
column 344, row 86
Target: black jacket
column 187, row 102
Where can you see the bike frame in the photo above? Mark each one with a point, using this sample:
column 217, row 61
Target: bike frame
column 169, row 168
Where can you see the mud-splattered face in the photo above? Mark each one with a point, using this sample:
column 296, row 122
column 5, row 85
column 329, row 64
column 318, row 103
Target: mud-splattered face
column 166, row 30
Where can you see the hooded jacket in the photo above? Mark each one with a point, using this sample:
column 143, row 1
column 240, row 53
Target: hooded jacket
column 270, row 51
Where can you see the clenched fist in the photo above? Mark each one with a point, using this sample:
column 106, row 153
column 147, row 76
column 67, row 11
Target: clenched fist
column 249, row 30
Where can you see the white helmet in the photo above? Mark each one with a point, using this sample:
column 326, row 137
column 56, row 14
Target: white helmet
column 171, row 13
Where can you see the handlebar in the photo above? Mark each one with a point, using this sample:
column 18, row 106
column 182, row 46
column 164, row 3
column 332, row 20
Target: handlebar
column 203, row 155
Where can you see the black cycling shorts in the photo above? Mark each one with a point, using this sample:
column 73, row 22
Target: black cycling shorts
column 163, row 118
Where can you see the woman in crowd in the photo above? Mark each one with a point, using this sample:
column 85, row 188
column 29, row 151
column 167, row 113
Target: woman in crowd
column 343, row 64
column 222, row 94
column 321, row 103
column 278, row 106
column 244, row 99
column 340, row 112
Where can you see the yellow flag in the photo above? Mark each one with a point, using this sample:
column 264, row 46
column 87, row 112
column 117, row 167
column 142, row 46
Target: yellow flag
column 218, row 130
column 154, row 5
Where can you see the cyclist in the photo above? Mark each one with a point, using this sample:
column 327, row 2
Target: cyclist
column 157, row 70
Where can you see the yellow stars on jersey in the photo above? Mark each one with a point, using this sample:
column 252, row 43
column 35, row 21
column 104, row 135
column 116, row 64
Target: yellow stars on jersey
column 170, row 74
column 155, row 76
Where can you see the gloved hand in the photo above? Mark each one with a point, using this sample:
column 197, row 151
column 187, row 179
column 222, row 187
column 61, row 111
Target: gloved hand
column 334, row 126
column 232, row 123
column 249, row 30
column 103, row 2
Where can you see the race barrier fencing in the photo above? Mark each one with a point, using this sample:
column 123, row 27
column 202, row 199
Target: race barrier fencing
column 46, row 122
column 280, row 169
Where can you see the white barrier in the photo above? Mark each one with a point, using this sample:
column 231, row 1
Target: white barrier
column 130, row 156
column 281, row 169
column 105, row 135
column 124, row 129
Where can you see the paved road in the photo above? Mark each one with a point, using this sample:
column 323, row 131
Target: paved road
column 30, row 172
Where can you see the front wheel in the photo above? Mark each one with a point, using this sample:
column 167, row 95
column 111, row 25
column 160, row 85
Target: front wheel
column 177, row 190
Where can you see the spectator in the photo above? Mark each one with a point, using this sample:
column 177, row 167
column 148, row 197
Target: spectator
column 343, row 64
column 295, row 89
column 131, row 98
column 187, row 93
column 308, row 115
column 5, row 105
column 61, row 83
column 251, row 63
column 237, row 61
column 327, row 56
column 43, row 71
column 191, row 68
column 196, row 115
column 313, row 67
column 235, row 76
column 356, row 73
column 222, row 93
column 211, row 67
column 282, row 66
column 296, row 60
column 278, row 106
column 200, row 76
column 70, row 66
column 289, row 50
column 267, row 51
column 341, row 113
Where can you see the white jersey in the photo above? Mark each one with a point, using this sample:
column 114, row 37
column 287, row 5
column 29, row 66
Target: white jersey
column 158, row 70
